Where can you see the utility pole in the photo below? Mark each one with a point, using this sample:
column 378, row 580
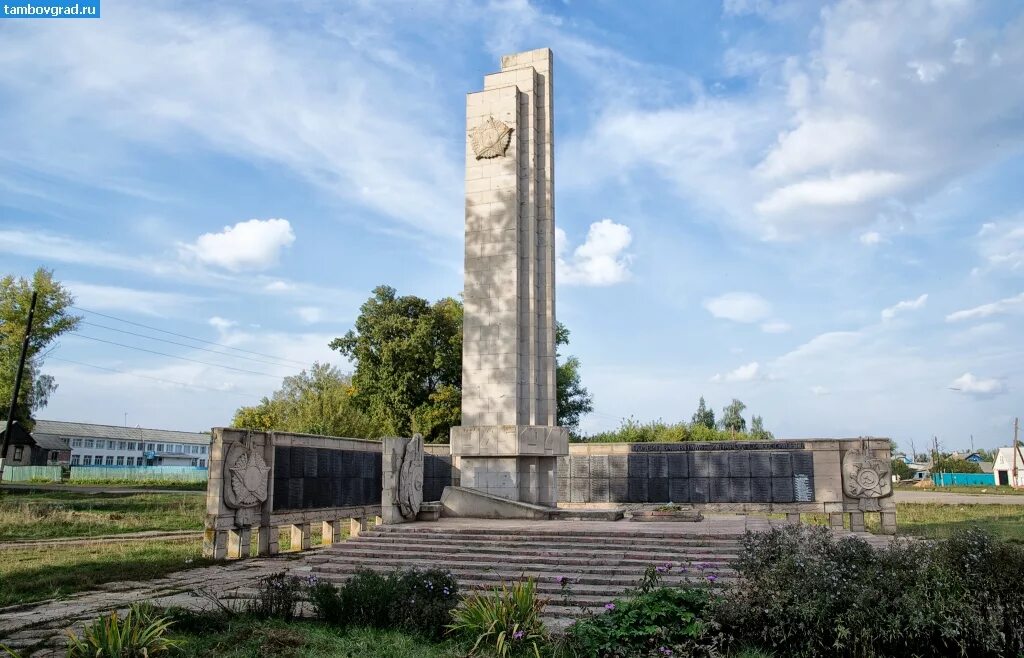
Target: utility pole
column 17, row 385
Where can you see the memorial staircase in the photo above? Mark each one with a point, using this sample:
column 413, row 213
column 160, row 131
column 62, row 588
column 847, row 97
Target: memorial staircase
column 601, row 561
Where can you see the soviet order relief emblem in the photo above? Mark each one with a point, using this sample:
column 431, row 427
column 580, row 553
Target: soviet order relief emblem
column 865, row 476
column 490, row 139
column 245, row 480
column 410, row 478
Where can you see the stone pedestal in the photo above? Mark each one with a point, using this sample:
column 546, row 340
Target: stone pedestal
column 517, row 462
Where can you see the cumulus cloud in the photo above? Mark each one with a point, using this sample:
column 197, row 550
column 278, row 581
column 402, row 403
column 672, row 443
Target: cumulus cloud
column 819, row 390
column 600, row 261
column 744, row 307
column 221, row 324
column 906, row 305
column 745, row 373
column 1001, row 244
column 985, row 310
column 870, row 238
column 976, row 386
column 255, row 244
column 278, row 286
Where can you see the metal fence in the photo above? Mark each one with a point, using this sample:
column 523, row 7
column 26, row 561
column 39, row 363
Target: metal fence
column 963, row 479
column 139, row 474
column 32, row 473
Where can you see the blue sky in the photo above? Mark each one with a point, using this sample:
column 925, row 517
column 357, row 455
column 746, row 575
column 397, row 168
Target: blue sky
column 816, row 209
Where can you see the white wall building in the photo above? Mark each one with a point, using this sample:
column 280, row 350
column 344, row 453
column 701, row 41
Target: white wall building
column 1003, row 467
column 110, row 445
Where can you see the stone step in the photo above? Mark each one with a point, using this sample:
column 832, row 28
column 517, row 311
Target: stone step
column 568, row 554
column 548, row 562
column 425, row 538
column 595, row 574
column 535, row 534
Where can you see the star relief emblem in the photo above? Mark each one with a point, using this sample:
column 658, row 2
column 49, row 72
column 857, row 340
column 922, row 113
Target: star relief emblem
column 490, row 139
column 249, row 478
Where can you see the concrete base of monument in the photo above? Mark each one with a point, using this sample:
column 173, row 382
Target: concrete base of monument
column 462, row 502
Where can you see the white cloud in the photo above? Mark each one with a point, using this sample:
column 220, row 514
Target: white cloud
column 255, row 244
column 221, row 324
column 982, row 388
column 985, row 310
column 278, row 286
column 600, row 261
column 883, row 112
column 870, row 238
column 906, row 305
column 775, row 327
column 310, row 314
column 117, row 298
column 819, row 390
column 1001, row 244
column 739, row 307
column 745, row 373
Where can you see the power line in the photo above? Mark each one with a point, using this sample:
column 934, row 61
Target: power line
column 156, row 379
column 193, row 347
column 174, row 356
column 201, row 340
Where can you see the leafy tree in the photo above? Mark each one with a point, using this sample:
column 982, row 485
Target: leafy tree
column 52, row 318
column 572, row 398
column 442, row 410
column 703, row 416
column 732, row 417
column 946, row 464
column 405, row 350
column 757, row 430
column 315, row 402
column 900, row 469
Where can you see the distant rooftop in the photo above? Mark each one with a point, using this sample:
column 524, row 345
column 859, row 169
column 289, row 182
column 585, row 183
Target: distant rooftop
column 65, row 429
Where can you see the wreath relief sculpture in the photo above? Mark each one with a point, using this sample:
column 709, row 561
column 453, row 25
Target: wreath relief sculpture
column 490, row 139
column 410, row 478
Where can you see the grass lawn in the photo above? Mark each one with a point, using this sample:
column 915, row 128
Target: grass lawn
column 937, row 520
column 34, row 574
column 140, row 484
column 990, row 490
column 26, row 514
column 245, row 637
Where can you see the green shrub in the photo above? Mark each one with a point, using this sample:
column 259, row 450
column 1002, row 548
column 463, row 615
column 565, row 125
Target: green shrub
column 412, row 600
column 633, row 431
column 277, row 597
column 138, row 634
column 505, row 620
column 805, row 593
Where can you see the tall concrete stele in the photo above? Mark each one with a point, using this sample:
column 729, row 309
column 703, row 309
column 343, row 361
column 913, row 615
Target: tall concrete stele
column 508, row 443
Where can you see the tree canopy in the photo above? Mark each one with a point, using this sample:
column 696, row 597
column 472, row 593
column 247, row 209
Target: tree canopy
column 572, row 398
column 703, row 416
column 315, row 402
column 52, row 318
column 732, row 417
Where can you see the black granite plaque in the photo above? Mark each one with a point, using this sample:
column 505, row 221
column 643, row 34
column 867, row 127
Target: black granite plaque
column 657, row 466
column 638, row 467
column 657, row 490
column 782, row 490
column 599, row 467
column 782, row 465
column 280, row 492
column 716, row 446
column 700, row 490
column 598, row 490
column 618, row 466
column 739, row 465
column 803, row 462
column 638, row 488
column 760, row 489
column 679, row 490
column 295, row 461
column 323, row 463
column 720, row 490
column 739, row 490
column 579, row 466
column 719, row 466
column 760, row 465
column 678, row 466
column 618, row 490
column 295, row 499
column 563, row 490
column 282, row 463
column 803, row 489
column 700, row 465
column 308, row 462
